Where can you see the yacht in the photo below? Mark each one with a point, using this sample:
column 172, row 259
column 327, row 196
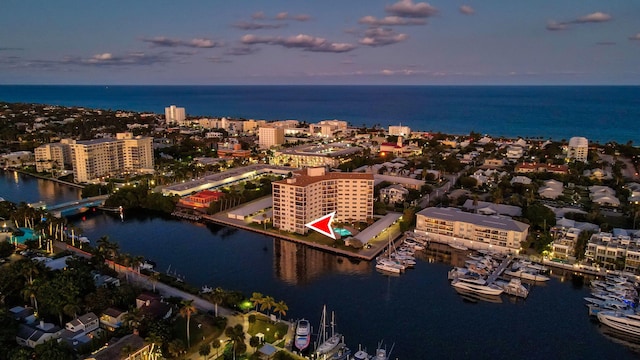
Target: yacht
column 526, row 274
column 361, row 355
column 514, row 287
column 303, row 335
column 627, row 323
column 475, row 286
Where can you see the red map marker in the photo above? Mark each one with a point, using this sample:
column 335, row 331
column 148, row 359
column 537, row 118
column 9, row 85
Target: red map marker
column 323, row 225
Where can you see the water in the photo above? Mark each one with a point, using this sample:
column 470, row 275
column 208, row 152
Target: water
column 17, row 187
column 418, row 311
column 601, row 113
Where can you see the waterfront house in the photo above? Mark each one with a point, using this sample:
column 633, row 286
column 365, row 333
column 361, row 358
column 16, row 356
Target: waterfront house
column 620, row 249
column 201, row 200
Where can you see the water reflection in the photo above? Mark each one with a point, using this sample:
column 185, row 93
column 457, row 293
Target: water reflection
column 297, row 264
column 630, row 342
column 17, row 187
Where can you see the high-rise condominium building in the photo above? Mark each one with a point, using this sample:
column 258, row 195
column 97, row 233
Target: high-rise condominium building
column 578, row 148
column 399, row 130
column 174, row 115
column 92, row 159
column 313, row 192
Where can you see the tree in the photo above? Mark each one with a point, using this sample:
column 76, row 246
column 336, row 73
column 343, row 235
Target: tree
column 256, row 299
column 154, row 278
column 175, row 347
column 254, row 342
column 205, row 350
column 281, row 308
column 187, row 310
column 217, row 297
column 216, row 345
column 236, row 337
column 267, row 303
column 540, row 216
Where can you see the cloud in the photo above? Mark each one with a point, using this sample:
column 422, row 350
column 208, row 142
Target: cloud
column 109, row 59
column 556, row 26
column 596, row 17
column 244, row 25
column 467, row 10
column 635, row 37
column 258, row 15
column 161, row 41
column 241, row 50
column 406, row 8
column 285, row 16
column 390, row 21
column 300, row 41
column 381, row 37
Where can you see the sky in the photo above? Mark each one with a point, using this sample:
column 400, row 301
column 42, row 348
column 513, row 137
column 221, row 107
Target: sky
column 397, row 42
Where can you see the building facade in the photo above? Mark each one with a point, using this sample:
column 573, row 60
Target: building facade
column 50, row 156
column 313, row 192
column 399, row 130
column 578, row 149
column 475, row 231
column 175, row 115
column 614, row 251
column 92, row 159
column 270, row 136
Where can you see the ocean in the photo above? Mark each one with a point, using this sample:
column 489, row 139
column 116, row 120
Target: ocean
column 599, row 113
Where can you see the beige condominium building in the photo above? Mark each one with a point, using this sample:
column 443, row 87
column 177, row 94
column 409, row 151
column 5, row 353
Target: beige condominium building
column 450, row 225
column 314, row 192
column 93, row 159
column 269, row 136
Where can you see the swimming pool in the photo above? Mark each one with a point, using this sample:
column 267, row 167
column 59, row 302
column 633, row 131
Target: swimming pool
column 343, row 232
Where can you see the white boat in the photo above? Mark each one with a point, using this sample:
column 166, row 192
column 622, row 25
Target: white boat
column 361, row 355
column 327, row 345
column 526, row 274
column 476, row 287
column 514, row 287
column 392, row 263
column 206, row 290
column 458, row 246
column 474, row 297
column 388, row 268
column 627, row 323
column 303, row 335
column 381, row 353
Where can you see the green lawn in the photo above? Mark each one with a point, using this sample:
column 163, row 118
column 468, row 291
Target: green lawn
column 207, row 332
column 272, row 332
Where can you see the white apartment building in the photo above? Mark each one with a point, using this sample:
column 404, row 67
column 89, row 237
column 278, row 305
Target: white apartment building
column 313, row 192
column 50, row 156
column 175, row 115
column 315, row 155
column 270, row 136
column 399, row 130
column 475, row 231
column 578, row 149
column 92, row 159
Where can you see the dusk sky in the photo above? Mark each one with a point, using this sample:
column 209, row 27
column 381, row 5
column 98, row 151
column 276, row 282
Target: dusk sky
column 320, row 42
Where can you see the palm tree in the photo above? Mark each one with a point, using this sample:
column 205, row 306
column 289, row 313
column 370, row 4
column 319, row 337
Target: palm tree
column 29, row 292
column 71, row 310
column 281, row 308
column 256, row 299
column 205, row 350
column 185, row 311
column 216, row 345
column 175, row 347
column 267, row 303
column 154, row 278
column 236, row 336
column 217, row 297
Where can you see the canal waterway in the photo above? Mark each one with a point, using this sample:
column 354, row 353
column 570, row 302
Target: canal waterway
column 418, row 311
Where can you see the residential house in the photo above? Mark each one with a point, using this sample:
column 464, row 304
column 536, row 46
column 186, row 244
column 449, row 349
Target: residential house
column 34, row 335
column 81, row 330
column 604, row 196
column 136, row 347
column 152, row 305
column 393, row 193
column 552, row 189
column 112, row 319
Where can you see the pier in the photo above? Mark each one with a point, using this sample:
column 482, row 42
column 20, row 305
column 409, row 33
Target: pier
column 498, row 271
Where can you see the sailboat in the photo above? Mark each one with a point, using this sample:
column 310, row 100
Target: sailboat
column 387, row 264
column 327, row 344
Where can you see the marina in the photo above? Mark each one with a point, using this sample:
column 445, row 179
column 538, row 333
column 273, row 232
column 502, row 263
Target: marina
column 217, row 256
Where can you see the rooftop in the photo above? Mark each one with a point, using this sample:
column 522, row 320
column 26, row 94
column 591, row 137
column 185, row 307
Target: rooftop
column 453, row 214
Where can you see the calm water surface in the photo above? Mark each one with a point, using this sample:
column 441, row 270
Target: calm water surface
column 418, row 311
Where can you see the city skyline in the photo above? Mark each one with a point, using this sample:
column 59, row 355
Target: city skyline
column 287, row 42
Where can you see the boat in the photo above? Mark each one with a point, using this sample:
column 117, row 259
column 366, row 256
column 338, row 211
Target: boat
column 361, row 355
column 303, row 335
column 381, row 353
column 206, row 290
column 514, row 287
column 474, row 286
column 388, row 268
column 327, row 345
column 627, row 323
column 458, row 246
column 341, row 353
column 473, row 297
column 526, row 274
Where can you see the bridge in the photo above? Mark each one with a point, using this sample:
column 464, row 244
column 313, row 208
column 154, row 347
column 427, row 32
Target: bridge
column 77, row 206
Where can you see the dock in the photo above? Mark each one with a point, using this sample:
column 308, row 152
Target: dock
column 499, row 270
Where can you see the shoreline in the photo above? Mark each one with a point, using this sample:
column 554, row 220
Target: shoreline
column 47, row 178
